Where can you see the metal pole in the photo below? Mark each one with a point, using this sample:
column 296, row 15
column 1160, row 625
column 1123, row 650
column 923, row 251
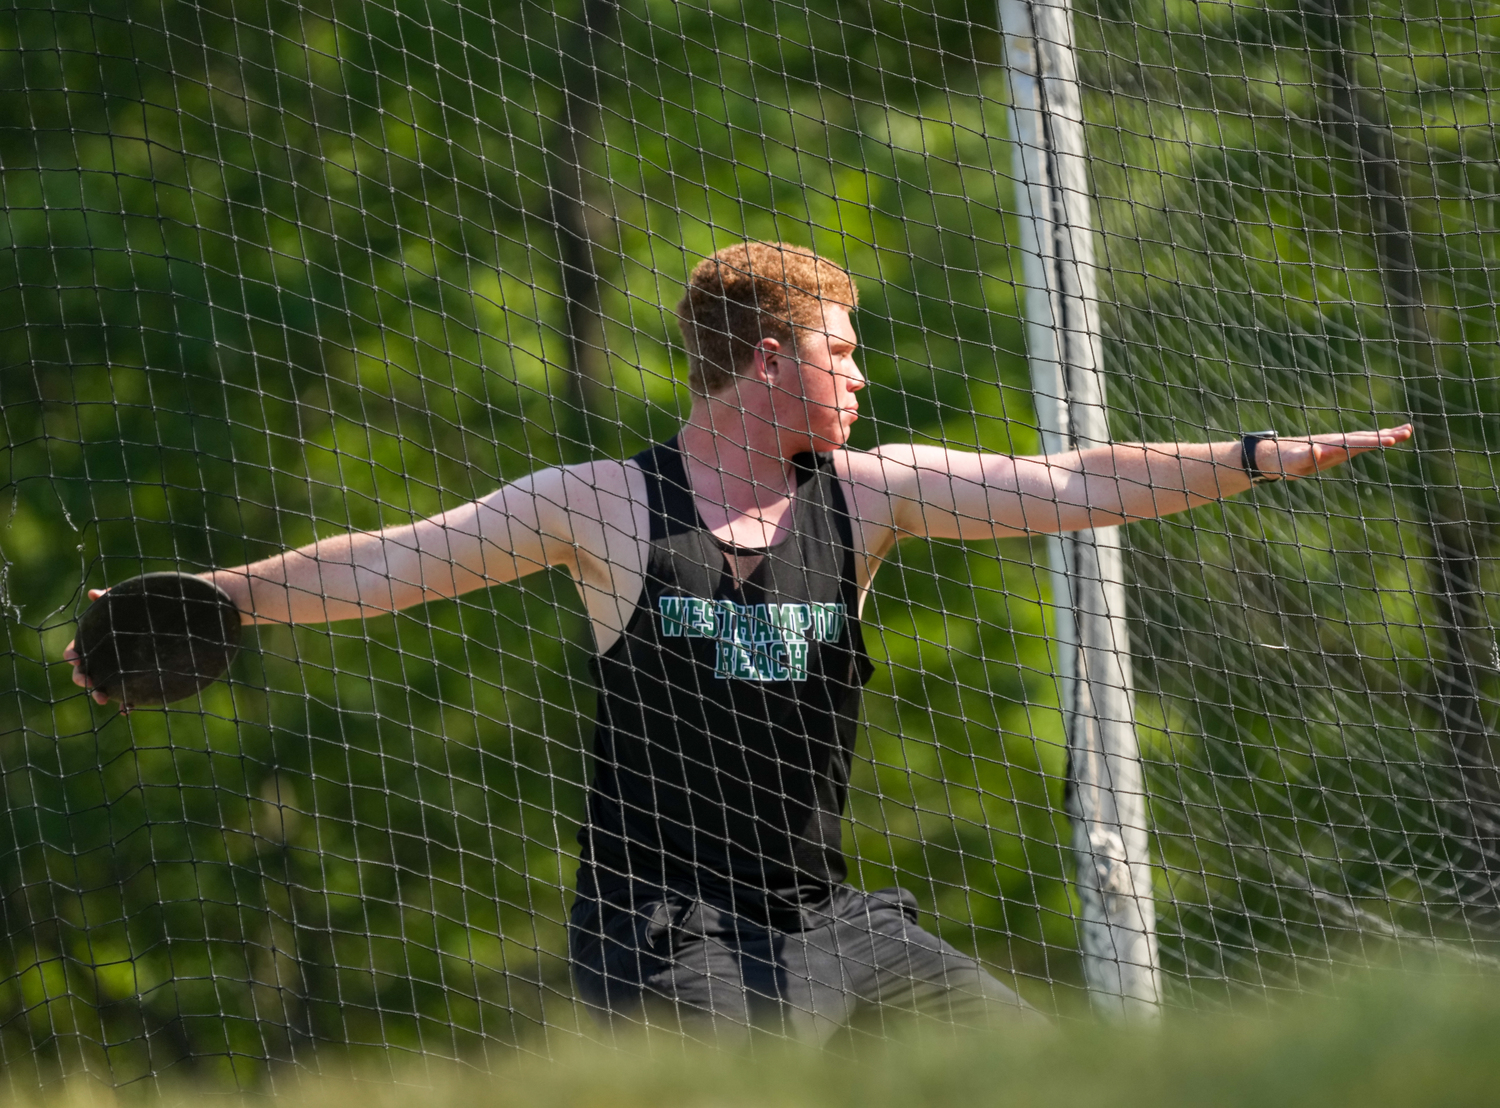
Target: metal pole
column 1106, row 791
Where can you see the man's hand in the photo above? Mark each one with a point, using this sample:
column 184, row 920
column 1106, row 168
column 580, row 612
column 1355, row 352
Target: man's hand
column 70, row 654
column 1305, row 457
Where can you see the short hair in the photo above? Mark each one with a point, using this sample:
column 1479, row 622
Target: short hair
column 749, row 292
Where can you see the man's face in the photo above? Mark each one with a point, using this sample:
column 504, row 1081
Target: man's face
column 814, row 398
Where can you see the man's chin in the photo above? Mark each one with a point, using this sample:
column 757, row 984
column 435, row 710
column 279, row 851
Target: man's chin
column 814, row 442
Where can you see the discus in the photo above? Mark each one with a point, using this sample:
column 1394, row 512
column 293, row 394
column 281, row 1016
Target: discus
column 158, row 638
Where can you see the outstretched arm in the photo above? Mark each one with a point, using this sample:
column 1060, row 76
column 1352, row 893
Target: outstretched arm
column 519, row 529
column 940, row 493
column 523, row 527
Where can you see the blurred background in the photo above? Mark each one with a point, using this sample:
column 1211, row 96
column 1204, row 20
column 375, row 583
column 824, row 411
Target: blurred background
column 272, row 271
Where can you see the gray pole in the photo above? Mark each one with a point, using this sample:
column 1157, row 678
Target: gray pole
column 1106, row 791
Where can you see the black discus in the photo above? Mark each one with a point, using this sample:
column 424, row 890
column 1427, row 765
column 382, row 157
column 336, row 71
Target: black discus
column 158, row 638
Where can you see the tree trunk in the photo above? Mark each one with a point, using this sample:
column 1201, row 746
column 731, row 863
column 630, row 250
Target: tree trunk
column 574, row 211
column 1360, row 120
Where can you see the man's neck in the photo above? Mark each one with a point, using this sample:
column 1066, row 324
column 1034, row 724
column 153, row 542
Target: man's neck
column 736, row 459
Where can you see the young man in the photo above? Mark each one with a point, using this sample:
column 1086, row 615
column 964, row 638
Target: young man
column 724, row 573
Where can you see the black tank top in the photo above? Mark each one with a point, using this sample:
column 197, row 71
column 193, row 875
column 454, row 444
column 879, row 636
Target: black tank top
column 728, row 708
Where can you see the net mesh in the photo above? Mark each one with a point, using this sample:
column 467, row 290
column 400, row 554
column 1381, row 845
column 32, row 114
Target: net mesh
column 279, row 271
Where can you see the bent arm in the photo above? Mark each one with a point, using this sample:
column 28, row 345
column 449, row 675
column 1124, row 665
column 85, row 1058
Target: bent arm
column 514, row 531
column 941, row 493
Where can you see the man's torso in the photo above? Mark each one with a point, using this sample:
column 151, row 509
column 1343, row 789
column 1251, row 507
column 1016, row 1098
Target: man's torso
column 728, row 701
column 610, row 528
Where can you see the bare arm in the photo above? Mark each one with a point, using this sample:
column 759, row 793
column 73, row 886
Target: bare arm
column 519, row 529
column 583, row 517
column 940, row 493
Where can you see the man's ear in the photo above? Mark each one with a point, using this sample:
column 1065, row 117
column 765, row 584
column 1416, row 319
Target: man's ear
column 768, row 360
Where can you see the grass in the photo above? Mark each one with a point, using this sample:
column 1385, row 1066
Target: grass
column 1386, row 1039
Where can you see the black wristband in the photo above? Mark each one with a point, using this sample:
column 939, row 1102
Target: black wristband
column 1247, row 457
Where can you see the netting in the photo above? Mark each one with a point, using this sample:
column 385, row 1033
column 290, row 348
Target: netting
column 279, row 271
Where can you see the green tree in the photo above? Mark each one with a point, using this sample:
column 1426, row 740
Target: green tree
column 286, row 269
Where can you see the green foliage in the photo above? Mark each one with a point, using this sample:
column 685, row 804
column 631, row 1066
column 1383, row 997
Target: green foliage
column 286, row 269
column 1400, row 1041
column 1306, row 799
column 278, row 270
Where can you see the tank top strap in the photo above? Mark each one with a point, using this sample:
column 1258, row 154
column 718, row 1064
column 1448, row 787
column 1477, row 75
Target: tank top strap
column 837, row 507
column 669, row 500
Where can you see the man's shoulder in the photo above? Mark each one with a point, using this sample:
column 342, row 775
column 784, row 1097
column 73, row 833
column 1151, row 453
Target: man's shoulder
column 893, row 461
column 580, row 487
column 602, row 472
column 873, row 468
column 585, row 486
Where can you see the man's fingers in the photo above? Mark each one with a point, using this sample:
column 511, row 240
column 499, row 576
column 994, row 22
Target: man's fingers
column 1361, row 441
column 1327, row 451
column 1385, row 436
column 70, row 654
column 1365, row 441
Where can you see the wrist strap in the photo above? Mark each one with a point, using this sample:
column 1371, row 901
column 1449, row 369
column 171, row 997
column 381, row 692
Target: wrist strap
column 1247, row 457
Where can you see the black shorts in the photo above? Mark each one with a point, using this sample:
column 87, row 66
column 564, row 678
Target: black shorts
column 661, row 959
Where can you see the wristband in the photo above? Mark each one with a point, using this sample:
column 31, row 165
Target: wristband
column 1247, row 457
